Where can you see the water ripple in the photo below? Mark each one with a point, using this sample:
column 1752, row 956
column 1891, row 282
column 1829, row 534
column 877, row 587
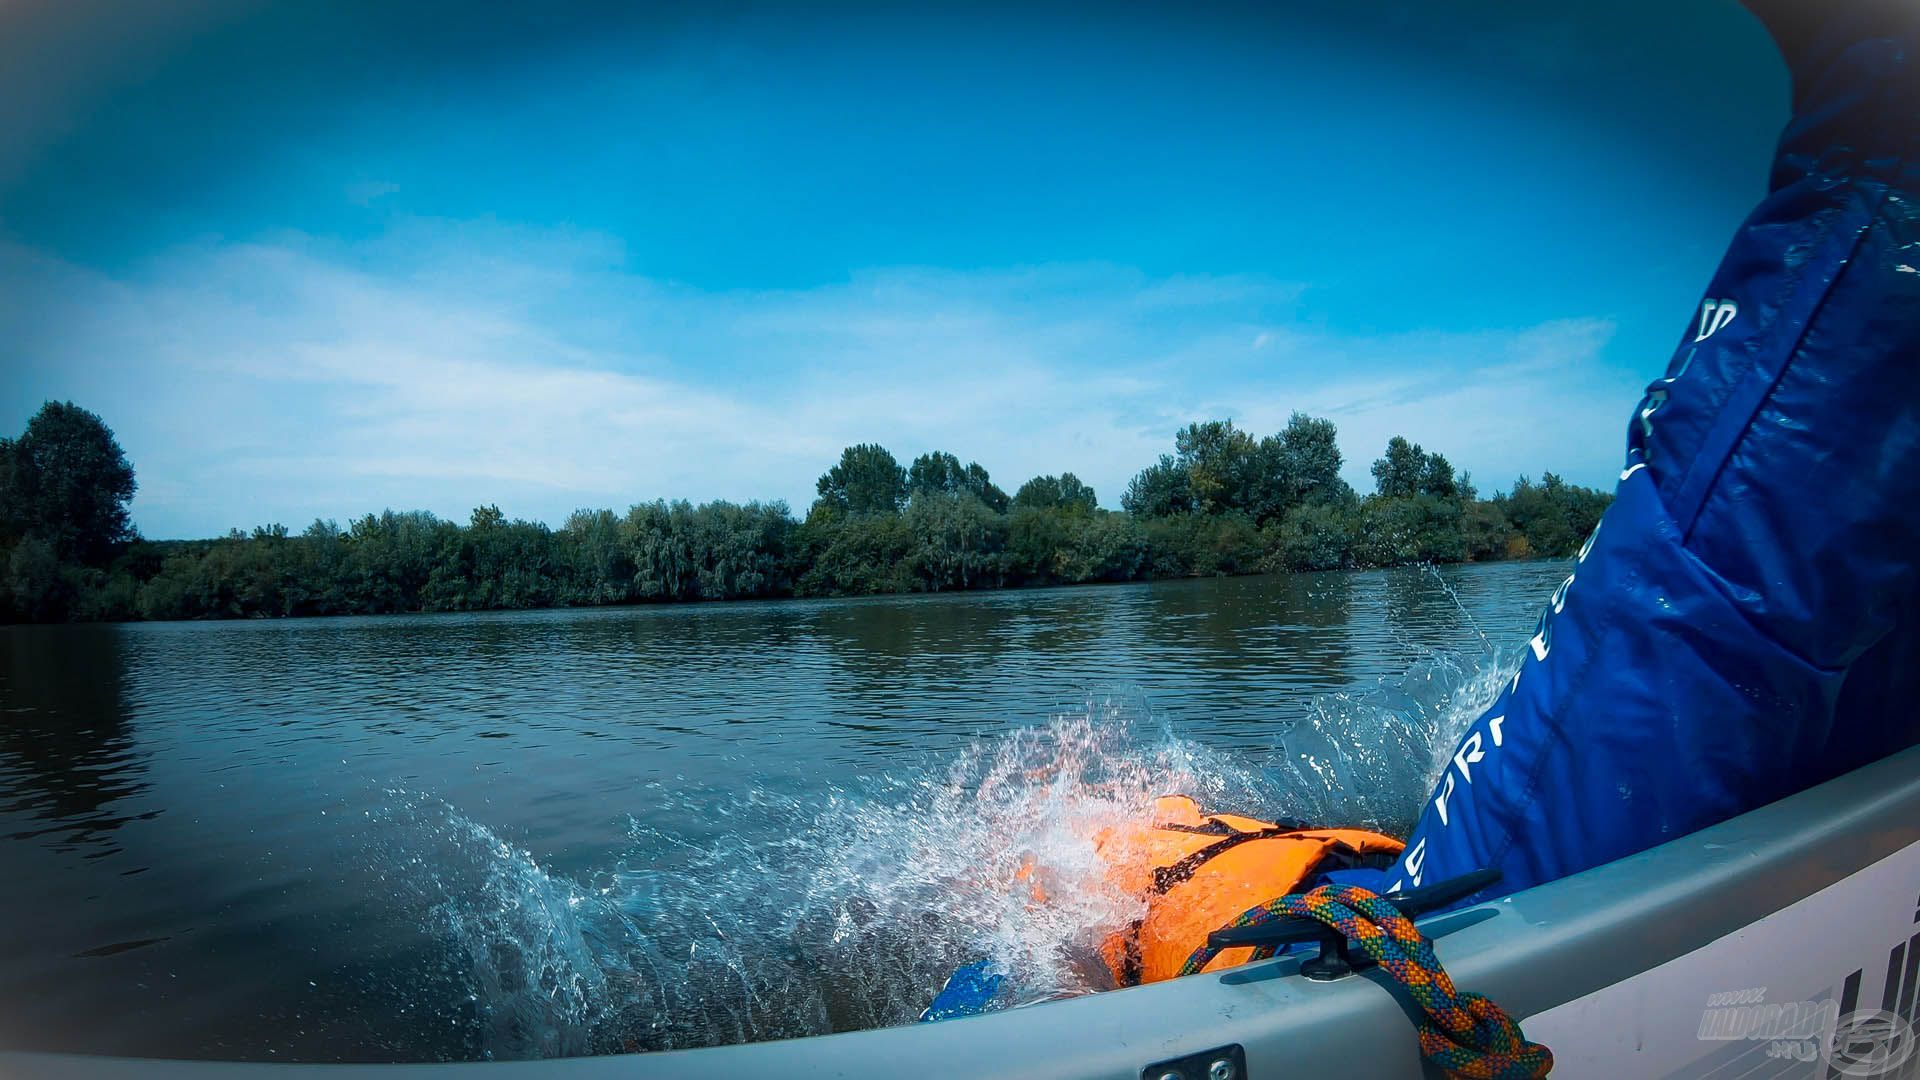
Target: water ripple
column 436, row 837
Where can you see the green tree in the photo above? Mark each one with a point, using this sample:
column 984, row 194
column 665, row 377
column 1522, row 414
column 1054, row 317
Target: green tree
column 1399, row 531
column 1220, row 461
column 392, row 557
column 1203, row 545
column 1402, row 471
column 67, row 481
column 39, row 588
column 742, row 551
column 1159, row 490
column 1437, row 478
column 1222, row 503
column 1102, row 547
column 1553, row 516
column 598, row 567
column 957, row 541
column 982, row 487
column 940, row 471
column 321, row 561
column 1037, row 537
column 856, row 556
column 1216, row 468
column 866, row 481
column 1407, row 470
column 1063, row 492
column 1485, row 530
column 1311, row 461
column 661, row 550
column 1465, row 489
column 1313, row 536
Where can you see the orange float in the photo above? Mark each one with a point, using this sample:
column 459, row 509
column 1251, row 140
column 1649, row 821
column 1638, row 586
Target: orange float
column 1199, row 871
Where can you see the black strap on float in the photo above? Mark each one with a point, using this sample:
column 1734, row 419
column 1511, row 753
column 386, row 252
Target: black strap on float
column 1166, row 877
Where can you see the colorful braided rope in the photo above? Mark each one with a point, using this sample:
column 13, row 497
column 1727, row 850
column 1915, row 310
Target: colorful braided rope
column 1465, row 1034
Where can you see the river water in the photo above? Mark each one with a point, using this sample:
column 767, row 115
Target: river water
column 527, row 834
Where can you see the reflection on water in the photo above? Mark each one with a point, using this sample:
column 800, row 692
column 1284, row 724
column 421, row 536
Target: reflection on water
column 563, row 832
column 65, row 756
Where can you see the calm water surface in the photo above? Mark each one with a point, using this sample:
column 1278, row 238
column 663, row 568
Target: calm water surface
column 570, row 832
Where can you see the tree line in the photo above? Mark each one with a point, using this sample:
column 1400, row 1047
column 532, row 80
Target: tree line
column 1222, row 502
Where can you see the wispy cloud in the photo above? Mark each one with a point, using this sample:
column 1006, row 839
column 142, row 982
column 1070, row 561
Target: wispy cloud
column 282, row 380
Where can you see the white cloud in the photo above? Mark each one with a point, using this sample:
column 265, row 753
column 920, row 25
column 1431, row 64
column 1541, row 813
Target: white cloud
column 282, row 380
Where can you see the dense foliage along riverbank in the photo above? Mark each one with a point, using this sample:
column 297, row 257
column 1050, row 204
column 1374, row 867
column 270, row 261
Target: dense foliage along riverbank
column 1224, row 502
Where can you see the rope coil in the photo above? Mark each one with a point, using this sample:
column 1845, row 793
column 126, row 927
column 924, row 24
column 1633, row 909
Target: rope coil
column 1465, row 1034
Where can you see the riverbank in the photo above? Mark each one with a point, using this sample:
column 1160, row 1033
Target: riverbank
column 1223, row 504
column 675, row 552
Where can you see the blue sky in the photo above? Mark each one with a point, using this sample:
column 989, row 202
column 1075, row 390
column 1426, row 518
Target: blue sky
column 316, row 260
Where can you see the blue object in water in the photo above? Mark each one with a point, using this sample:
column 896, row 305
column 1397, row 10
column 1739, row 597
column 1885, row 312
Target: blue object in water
column 972, row 988
column 1743, row 623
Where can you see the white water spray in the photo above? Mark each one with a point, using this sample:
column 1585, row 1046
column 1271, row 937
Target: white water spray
column 848, row 908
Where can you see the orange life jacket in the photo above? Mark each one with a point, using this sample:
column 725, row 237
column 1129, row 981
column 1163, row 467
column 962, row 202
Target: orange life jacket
column 1199, row 871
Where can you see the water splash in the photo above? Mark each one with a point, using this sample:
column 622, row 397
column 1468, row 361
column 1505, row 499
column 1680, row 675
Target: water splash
column 520, row 942
column 847, row 908
column 1432, row 571
column 1370, row 758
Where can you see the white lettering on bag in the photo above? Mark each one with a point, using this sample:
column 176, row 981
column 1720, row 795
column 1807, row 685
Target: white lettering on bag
column 1714, row 317
column 1473, row 747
